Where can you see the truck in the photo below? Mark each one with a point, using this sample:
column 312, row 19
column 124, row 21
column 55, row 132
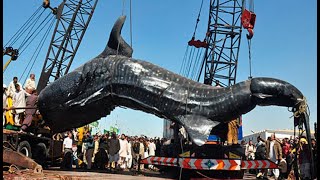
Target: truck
column 216, row 158
column 38, row 146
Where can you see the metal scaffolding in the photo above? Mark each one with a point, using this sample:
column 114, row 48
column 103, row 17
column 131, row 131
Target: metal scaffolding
column 223, row 37
column 73, row 17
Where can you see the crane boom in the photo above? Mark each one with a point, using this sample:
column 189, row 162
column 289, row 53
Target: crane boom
column 223, row 39
column 73, row 18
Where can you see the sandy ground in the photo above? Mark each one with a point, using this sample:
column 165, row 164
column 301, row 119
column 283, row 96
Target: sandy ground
column 79, row 174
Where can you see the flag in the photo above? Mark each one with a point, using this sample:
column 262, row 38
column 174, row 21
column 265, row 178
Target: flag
column 114, row 129
column 105, row 131
column 95, row 124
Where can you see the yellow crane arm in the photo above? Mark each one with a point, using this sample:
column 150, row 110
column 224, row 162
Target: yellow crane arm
column 7, row 64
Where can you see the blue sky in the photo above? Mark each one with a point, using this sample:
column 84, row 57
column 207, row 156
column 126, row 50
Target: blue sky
column 283, row 47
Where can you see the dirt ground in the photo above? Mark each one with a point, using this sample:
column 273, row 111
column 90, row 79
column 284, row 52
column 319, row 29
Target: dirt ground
column 79, row 174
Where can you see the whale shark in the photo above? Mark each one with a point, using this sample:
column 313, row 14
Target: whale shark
column 115, row 79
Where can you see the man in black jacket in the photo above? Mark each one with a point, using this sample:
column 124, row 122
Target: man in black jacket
column 101, row 157
column 114, row 147
column 135, row 155
column 260, row 154
column 89, row 152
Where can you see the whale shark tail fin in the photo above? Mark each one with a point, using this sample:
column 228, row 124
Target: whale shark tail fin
column 116, row 45
column 197, row 127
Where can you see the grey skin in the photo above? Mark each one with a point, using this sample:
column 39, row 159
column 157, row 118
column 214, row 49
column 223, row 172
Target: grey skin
column 114, row 79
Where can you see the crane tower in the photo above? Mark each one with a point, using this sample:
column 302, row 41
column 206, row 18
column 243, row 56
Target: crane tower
column 223, row 39
column 73, row 17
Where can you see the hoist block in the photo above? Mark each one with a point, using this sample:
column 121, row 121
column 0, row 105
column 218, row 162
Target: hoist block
column 197, row 43
column 248, row 20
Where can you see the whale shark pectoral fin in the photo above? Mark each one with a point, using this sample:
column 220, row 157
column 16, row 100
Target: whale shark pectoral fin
column 116, row 45
column 198, row 127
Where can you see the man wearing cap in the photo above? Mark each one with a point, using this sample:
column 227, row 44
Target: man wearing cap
column 31, row 83
column 304, row 158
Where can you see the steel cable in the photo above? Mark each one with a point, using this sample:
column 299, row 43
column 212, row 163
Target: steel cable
column 14, row 38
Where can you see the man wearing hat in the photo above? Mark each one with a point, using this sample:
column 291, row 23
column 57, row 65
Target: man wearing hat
column 304, row 158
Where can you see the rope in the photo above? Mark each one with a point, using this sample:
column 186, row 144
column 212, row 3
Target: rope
column 302, row 108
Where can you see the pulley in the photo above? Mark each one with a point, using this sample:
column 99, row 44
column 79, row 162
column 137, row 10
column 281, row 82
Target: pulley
column 248, row 20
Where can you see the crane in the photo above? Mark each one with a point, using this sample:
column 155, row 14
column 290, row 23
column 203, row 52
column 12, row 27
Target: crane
column 223, row 38
column 222, row 45
column 73, row 18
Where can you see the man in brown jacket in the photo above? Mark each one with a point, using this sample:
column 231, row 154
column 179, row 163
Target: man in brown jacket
column 274, row 153
column 31, row 102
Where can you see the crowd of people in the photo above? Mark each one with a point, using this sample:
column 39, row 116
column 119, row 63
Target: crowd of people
column 109, row 151
column 282, row 152
column 19, row 103
column 121, row 152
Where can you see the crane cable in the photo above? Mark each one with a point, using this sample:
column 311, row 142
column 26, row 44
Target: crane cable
column 34, row 34
column 198, row 19
column 186, row 62
column 250, row 62
column 183, row 60
column 40, row 45
column 123, row 12
column 16, row 36
column 251, row 8
column 130, row 25
column 32, row 25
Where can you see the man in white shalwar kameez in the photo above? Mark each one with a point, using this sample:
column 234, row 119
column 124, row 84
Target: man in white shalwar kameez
column 152, row 151
column 12, row 88
column 19, row 100
column 123, row 152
